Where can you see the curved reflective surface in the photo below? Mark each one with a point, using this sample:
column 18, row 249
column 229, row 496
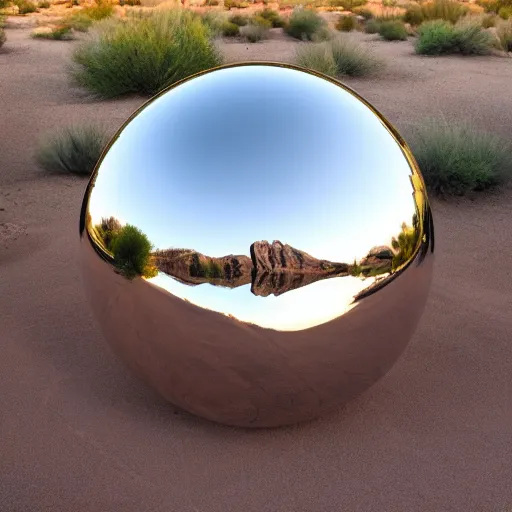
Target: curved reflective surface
column 257, row 244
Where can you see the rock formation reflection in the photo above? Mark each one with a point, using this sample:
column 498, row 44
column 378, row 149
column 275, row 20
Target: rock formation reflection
column 271, row 269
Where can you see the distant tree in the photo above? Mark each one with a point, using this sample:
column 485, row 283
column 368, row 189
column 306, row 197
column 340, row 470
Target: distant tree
column 405, row 244
column 131, row 249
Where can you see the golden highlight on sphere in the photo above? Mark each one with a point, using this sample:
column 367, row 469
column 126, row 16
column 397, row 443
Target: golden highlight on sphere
column 257, row 244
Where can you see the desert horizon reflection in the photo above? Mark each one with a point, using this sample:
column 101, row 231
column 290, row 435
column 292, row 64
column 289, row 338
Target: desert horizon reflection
column 300, row 291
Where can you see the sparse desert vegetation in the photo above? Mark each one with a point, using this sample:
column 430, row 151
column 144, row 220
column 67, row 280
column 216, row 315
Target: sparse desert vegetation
column 75, row 150
column 306, row 25
column 457, row 159
column 143, row 54
column 78, row 429
column 339, row 57
column 392, row 30
column 144, row 51
column 440, row 37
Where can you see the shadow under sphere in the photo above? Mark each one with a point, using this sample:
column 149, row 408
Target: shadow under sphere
column 257, row 244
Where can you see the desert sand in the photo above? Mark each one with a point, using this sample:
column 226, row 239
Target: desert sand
column 79, row 433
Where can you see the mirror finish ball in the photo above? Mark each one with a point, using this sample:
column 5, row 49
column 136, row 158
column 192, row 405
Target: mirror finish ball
column 257, row 244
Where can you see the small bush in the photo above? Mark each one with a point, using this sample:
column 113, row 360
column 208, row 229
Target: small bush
column 505, row 12
column 75, row 150
column 339, row 57
column 230, row 29
column 132, row 3
column 346, row 23
column 318, row 57
column 372, row 26
column 254, row 32
column 132, row 252
column 2, row 37
column 25, row 6
column 504, row 35
column 414, row 15
column 61, row 33
column 393, row 31
column 436, row 38
column 305, row 24
column 258, row 20
column 439, row 37
column 144, row 55
column 4, row 3
column 44, row 4
column 273, row 16
column 472, row 39
column 456, row 159
column 211, row 3
column 239, row 20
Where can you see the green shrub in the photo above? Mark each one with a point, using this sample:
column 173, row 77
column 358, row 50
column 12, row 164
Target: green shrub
column 393, row 31
column 75, row 150
column 211, row 3
column 4, row 3
column 254, row 32
column 505, row 12
column 346, row 23
column 504, row 35
column 132, row 252
column 305, row 24
column 435, row 38
column 61, row 33
column 414, row 15
column 272, row 16
column 44, row 4
column 239, row 20
column 339, row 57
column 230, row 29
column 2, row 37
column 130, row 2
column 144, row 55
column 456, row 159
column 472, row 39
column 258, row 20
column 25, row 6
column 372, row 26
column 439, row 37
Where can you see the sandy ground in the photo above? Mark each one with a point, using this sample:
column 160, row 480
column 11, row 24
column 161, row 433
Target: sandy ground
column 79, row 433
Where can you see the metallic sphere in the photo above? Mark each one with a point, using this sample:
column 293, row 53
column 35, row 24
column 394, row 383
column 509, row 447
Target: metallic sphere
column 257, row 244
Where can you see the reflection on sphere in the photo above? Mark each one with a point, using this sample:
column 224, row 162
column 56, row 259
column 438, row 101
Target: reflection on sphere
column 257, row 244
